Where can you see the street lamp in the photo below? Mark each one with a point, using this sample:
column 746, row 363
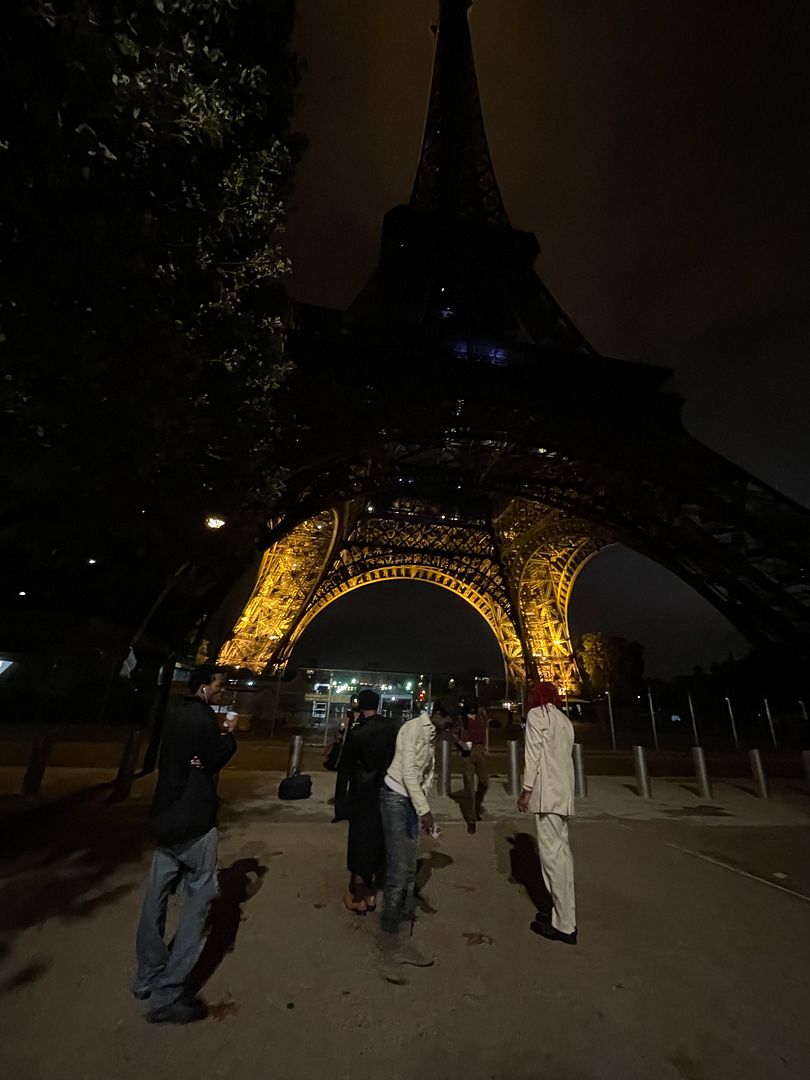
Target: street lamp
column 652, row 718
column 770, row 721
column 214, row 522
column 733, row 725
column 610, row 716
column 694, row 721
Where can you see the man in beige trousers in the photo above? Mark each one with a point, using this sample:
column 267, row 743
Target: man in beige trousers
column 548, row 793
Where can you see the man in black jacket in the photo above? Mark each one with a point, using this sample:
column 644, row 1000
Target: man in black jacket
column 196, row 745
column 367, row 753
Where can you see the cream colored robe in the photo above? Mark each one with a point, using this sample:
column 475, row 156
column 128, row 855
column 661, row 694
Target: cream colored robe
column 548, row 769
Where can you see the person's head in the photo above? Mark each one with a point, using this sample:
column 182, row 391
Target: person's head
column 444, row 713
column 469, row 707
column 545, row 693
column 367, row 702
column 208, row 683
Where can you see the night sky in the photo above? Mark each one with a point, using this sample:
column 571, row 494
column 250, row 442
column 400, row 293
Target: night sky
column 661, row 153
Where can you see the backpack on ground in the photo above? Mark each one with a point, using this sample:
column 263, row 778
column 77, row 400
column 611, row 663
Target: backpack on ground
column 297, row 786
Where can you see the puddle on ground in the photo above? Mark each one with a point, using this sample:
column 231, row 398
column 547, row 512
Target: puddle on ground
column 218, row 1010
column 478, row 939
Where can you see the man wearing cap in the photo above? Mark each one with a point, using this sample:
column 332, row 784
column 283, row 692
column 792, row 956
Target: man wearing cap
column 367, row 752
column 548, row 793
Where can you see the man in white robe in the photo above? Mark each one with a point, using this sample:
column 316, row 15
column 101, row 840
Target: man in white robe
column 548, row 793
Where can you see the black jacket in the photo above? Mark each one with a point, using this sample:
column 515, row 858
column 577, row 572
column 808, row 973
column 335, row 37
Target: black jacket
column 368, row 750
column 185, row 803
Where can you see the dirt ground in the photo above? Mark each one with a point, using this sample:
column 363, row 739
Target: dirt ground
column 694, row 933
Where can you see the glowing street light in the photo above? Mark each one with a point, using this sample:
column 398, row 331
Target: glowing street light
column 214, row 522
column 610, row 717
column 652, row 719
column 733, row 725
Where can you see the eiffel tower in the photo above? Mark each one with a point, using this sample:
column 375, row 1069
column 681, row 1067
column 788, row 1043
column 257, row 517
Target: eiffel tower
column 453, row 426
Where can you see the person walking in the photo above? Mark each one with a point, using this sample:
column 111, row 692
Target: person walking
column 473, row 744
column 368, row 748
column 405, row 810
column 195, row 746
column 548, row 793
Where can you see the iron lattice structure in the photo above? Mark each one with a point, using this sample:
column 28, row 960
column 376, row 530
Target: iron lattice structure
column 516, row 570
column 492, row 451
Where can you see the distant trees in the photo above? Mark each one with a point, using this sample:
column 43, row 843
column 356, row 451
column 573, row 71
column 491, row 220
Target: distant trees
column 610, row 662
column 761, row 673
column 146, row 154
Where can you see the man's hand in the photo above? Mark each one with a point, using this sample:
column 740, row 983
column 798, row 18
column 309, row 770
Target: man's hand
column 523, row 801
column 426, row 822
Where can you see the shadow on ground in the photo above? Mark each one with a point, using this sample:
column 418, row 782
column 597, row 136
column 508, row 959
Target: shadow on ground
column 524, row 866
column 433, row 860
column 56, row 861
column 237, row 884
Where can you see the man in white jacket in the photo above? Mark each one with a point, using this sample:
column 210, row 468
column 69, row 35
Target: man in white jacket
column 548, row 792
column 405, row 810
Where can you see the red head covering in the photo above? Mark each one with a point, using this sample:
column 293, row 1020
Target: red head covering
column 545, row 693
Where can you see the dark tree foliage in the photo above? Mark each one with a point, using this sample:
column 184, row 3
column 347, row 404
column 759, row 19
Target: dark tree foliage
column 145, row 157
column 761, row 673
column 610, row 663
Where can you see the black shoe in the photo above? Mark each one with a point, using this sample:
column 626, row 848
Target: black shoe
column 184, row 1011
column 471, row 828
column 546, row 930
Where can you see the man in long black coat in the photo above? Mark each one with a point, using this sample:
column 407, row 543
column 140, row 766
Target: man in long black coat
column 367, row 752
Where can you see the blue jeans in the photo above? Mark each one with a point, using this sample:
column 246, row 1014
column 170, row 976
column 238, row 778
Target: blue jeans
column 401, row 829
column 163, row 969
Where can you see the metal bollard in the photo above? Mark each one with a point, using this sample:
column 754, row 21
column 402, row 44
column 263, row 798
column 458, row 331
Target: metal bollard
column 642, row 776
column 37, row 763
column 122, row 785
column 444, row 785
column 513, row 761
column 758, row 773
column 580, row 779
column 294, row 760
column 806, row 764
column 702, row 773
